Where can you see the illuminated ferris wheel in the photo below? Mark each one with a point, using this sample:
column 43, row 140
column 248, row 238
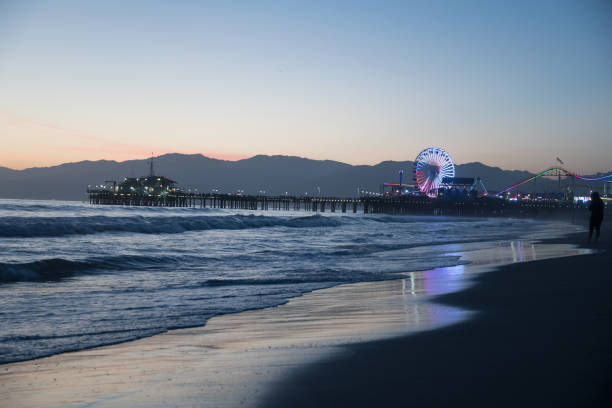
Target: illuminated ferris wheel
column 431, row 166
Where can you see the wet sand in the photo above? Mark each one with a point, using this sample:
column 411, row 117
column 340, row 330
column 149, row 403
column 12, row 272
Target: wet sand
column 541, row 336
column 323, row 348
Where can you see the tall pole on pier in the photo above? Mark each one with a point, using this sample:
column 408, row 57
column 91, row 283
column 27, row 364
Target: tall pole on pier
column 559, row 172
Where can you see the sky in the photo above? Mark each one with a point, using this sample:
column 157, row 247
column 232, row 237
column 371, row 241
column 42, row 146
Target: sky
column 511, row 84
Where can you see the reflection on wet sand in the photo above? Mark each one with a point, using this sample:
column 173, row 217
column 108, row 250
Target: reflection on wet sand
column 231, row 360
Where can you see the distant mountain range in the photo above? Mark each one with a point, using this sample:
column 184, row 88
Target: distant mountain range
column 273, row 174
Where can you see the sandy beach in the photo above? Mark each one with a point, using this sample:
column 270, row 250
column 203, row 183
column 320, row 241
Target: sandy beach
column 375, row 343
column 540, row 337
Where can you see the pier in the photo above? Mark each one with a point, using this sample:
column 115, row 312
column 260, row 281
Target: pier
column 409, row 205
column 437, row 193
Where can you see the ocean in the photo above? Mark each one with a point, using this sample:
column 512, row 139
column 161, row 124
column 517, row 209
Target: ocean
column 76, row 276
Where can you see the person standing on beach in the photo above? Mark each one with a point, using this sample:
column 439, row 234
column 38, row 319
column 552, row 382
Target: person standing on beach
column 596, row 209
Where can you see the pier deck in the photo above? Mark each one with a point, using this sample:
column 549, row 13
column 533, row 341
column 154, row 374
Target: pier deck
column 416, row 205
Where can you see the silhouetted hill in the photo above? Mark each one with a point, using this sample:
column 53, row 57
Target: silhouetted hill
column 274, row 174
column 6, row 170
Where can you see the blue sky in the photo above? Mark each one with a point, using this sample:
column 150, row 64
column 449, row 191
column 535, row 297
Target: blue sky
column 512, row 84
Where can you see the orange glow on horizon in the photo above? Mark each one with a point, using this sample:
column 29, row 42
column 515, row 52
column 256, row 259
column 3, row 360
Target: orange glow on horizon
column 38, row 143
column 96, row 154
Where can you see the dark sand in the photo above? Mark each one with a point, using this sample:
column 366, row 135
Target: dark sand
column 542, row 338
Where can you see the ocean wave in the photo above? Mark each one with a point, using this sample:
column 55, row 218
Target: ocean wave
column 407, row 219
column 368, row 249
column 269, row 281
column 29, row 227
column 5, row 339
column 43, row 270
column 55, row 269
column 305, row 276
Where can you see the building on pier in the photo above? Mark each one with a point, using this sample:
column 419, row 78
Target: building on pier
column 397, row 189
column 151, row 185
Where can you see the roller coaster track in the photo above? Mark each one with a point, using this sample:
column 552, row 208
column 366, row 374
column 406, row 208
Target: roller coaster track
column 559, row 170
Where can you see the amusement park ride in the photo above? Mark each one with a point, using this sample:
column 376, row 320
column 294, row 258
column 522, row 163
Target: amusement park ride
column 557, row 172
column 434, row 174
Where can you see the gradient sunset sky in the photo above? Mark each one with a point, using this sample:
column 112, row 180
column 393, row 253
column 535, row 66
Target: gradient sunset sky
column 508, row 83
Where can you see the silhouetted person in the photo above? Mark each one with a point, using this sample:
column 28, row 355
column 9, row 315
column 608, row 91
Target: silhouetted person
column 596, row 208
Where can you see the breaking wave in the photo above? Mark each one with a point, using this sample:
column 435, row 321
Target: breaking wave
column 28, row 227
column 55, row 269
column 408, row 219
column 47, row 269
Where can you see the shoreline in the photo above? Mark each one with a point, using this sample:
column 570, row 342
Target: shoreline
column 541, row 337
column 253, row 348
column 451, row 250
